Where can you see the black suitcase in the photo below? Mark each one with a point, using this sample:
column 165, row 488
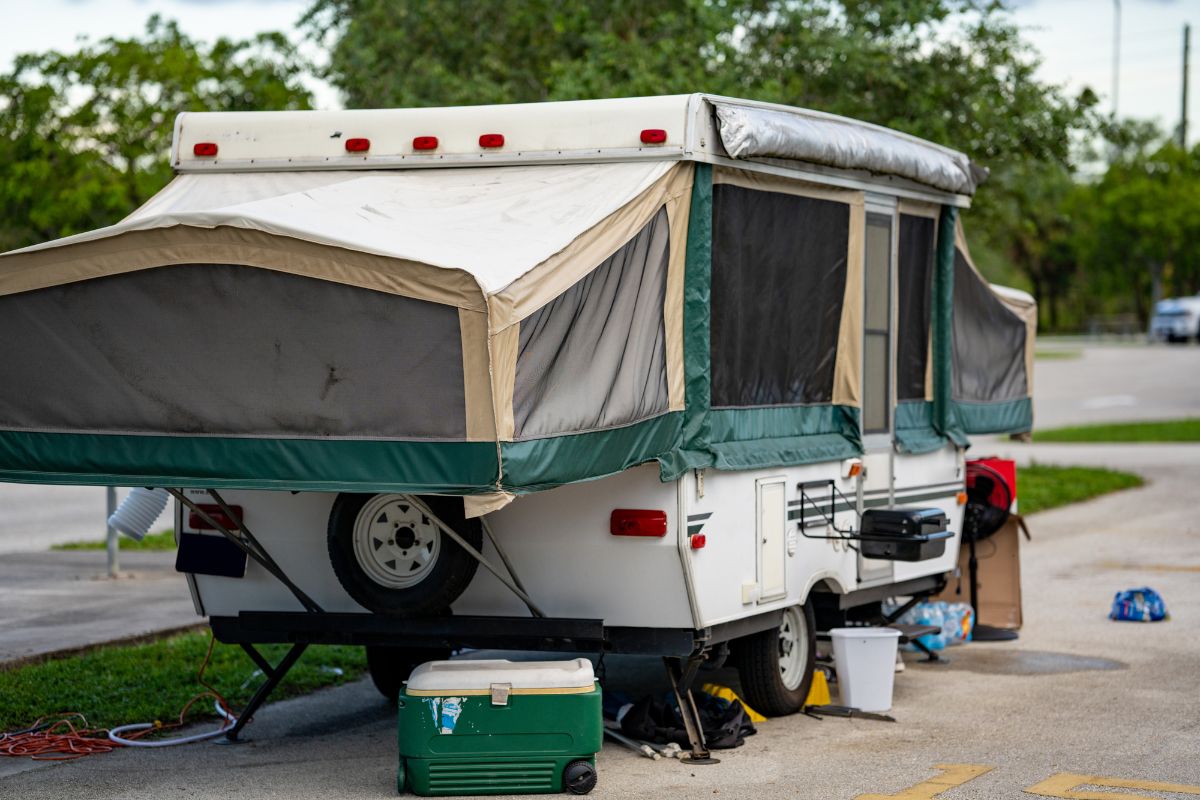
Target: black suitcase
column 904, row 534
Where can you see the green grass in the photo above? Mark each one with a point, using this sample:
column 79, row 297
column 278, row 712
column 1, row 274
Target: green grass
column 163, row 540
column 1041, row 487
column 145, row 682
column 1057, row 355
column 1171, row 430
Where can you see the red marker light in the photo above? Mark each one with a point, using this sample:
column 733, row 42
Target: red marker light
column 204, row 149
column 637, row 522
column 654, row 136
column 214, row 511
column 358, row 145
column 425, row 143
column 698, row 541
column 491, row 140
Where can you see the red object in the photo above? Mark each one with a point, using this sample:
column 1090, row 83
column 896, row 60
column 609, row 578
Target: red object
column 204, row 149
column 491, row 140
column 1007, row 469
column 196, row 522
column 698, row 541
column 358, row 145
column 425, row 143
column 637, row 522
column 654, row 136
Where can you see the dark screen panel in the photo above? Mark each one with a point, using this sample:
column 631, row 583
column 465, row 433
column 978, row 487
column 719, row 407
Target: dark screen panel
column 778, row 282
column 914, row 282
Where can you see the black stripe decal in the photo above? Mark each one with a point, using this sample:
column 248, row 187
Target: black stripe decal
column 695, row 528
column 696, row 517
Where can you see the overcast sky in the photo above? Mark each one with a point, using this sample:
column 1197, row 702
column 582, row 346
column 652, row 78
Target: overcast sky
column 1074, row 36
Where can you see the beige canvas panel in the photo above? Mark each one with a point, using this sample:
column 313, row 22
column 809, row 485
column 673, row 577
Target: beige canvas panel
column 763, row 182
column 182, row 244
column 565, row 268
column 847, row 372
column 1026, row 312
column 929, row 371
column 503, row 351
column 476, row 505
column 678, row 214
column 477, row 381
column 917, row 208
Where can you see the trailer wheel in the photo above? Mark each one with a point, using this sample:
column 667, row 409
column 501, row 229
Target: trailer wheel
column 391, row 666
column 776, row 666
column 394, row 560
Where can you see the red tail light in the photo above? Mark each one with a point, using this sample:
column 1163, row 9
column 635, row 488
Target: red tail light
column 638, row 522
column 491, row 140
column 198, row 523
column 425, row 143
column 654, row 136
column 358, row 145
column 204, row 149
column 698, row 541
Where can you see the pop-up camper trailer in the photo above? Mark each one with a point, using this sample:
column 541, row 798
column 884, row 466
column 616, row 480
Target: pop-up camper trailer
column 655, row 361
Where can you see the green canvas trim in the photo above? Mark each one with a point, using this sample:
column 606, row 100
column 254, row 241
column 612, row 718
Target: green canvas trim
column 537, row 464
column 1007, row 416
column 915, row 432
column 327, row 465
column 749, row 438
column 942, row 325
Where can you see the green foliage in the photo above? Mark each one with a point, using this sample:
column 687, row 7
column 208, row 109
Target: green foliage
column 85, row 136
column 163, row 540
column 955, row 72
column 116, row 685
column 1041, row 487
column 1173, row 430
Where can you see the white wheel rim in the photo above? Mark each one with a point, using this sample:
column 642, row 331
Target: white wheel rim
column 793, row 648
column 394, row 543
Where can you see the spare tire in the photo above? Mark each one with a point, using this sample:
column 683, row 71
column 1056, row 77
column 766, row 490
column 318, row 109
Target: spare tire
column 393, row 559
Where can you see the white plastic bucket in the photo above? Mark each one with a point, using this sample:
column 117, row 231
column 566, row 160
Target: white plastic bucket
column 865, row 660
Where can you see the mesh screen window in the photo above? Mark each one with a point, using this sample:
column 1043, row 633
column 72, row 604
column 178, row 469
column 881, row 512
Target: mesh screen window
column 914, row 287
column 778, row 282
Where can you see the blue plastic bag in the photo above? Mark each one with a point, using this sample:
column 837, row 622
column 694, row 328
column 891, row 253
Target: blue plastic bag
column 1138, row 605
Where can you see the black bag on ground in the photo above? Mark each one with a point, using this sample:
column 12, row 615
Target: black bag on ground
column 652, row 719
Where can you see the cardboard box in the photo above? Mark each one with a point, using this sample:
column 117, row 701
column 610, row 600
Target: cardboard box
column 999, row 558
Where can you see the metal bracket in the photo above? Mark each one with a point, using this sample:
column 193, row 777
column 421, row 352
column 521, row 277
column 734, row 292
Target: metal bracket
column 682, row 677
column 273, row 676
column 478, row 556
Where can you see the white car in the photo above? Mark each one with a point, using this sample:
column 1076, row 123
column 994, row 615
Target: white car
column 1176, row 319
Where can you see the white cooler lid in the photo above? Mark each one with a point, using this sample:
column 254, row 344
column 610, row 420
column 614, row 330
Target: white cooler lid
column 457, row 677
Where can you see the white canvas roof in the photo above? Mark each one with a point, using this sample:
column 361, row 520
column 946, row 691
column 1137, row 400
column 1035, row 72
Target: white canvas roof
column 494, row 223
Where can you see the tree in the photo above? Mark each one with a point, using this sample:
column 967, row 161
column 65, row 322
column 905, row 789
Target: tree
column 85, row 135
column 953, row 71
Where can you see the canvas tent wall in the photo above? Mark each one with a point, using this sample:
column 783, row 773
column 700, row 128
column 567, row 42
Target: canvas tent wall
column 476, row 331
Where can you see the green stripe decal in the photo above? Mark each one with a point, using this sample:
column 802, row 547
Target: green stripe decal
column 248, row 463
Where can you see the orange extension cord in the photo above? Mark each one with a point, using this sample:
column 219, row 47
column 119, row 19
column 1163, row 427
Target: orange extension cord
column 61, row 740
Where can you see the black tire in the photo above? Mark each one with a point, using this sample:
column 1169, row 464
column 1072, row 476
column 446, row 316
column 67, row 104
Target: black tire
column 442, row 581
column 391, row 666
column 758, row 659
column 579, row 777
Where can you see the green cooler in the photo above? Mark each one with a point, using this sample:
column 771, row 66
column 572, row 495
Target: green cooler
column 500, row 727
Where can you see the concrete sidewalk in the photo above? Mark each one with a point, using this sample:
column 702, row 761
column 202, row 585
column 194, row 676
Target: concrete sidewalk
column 64, row 600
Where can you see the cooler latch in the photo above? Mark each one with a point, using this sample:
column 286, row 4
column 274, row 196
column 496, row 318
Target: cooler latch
column 500, row 693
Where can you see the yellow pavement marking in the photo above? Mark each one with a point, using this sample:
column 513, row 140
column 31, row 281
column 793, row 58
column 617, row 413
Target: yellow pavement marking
column 952, row 775
column 1065, row 784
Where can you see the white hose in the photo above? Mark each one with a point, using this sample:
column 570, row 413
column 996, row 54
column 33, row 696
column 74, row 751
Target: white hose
column 115, row 734
column 138, row 511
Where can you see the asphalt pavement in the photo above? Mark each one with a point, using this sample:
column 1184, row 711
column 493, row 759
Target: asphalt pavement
column 1078, row 698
